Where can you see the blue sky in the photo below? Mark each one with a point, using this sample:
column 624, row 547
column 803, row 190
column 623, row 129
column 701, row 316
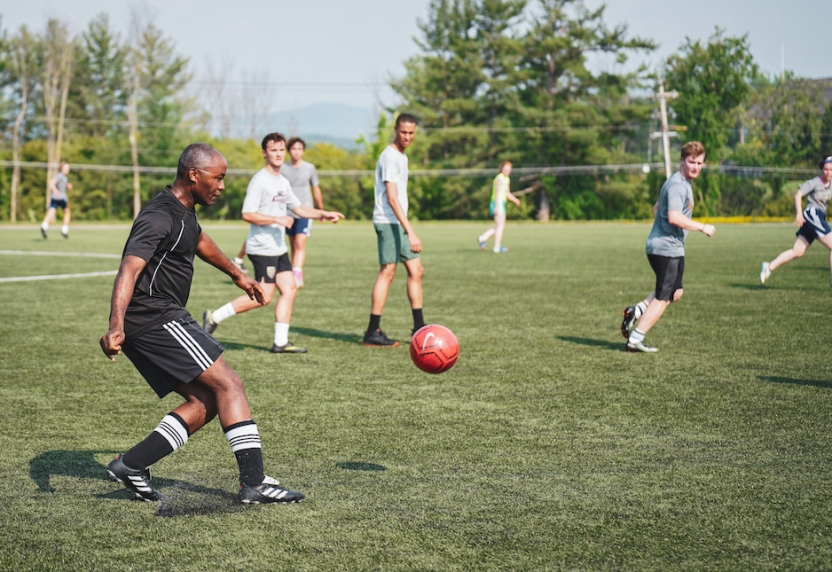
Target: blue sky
column 320, row 51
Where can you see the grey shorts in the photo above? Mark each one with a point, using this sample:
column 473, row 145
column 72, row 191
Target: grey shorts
column 174, row 353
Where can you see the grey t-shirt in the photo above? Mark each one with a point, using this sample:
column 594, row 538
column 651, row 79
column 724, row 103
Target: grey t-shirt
column 666, row 239
column 816, row 194
column 60, row 181
column 302, row 178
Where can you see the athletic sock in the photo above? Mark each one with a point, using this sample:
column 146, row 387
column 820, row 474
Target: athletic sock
column 375, row 323
column 636, row 337
column 223, row 313
column 418, row 320
column 44, row 225
column 64, row 229
column 245, row 443
column 641, row 307
column 171, row 433
column 238, row 260
column 281, row 333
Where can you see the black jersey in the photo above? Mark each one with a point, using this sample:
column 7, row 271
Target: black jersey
column 165, row 235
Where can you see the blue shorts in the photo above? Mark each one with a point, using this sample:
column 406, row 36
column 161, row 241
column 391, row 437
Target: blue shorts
column 300, row 226
column 58, row 203
column 815, row 225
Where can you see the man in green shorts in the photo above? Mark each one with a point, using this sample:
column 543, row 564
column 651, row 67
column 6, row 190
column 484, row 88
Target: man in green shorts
column 397, row 241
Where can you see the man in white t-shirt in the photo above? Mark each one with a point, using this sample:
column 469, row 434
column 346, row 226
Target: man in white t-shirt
column 397, row 241
column 269, row 197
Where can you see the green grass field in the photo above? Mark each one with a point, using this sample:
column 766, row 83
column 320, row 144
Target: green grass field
column 546, row 447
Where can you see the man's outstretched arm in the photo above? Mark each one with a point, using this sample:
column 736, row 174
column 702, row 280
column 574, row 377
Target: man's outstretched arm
column 208, row 251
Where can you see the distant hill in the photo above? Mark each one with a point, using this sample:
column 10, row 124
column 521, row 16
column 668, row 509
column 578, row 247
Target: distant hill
column 327, row 122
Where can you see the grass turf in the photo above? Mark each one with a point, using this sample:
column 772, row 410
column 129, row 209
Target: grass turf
column 546, row 447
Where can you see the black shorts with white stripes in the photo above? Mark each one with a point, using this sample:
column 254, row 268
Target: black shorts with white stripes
column 173, row 353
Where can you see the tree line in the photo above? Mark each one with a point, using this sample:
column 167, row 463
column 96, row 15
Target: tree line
column 491, row 80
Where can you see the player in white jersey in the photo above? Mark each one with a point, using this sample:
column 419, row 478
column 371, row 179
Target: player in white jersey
column 269, row 198
column 811, row 220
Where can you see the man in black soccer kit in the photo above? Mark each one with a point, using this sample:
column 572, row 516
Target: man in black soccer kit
column 149, row 323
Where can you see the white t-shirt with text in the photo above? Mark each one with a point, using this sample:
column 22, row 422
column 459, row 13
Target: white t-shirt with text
column 272, row 196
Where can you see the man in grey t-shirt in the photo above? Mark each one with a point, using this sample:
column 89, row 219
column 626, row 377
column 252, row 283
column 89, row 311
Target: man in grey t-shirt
column 304, row 180
column 58, row 186
column 666, row 248
column 811, row 221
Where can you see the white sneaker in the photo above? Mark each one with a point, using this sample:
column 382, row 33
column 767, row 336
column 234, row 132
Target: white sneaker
column 765, row 272
column 640, row 347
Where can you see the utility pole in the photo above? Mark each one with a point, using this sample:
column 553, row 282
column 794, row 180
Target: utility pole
column 663, row 96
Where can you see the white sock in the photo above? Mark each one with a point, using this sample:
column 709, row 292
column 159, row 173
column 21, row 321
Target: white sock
column 641, row 307
column 65, row 229
column 281, row 333
column 45, row 226
column 635, row 337
column 223, row 313
column 296, row 269
column 238, row 260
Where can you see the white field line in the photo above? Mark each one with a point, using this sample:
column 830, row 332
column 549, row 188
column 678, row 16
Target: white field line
column 43, row 253
column 58, row 276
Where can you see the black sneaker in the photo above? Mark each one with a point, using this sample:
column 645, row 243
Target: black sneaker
column 65, row 234
column 377, row 338
column 43, row 232
column 138, row 482
column 628, row 321
column 268, row 492
column 289, row 348
column 208, row 323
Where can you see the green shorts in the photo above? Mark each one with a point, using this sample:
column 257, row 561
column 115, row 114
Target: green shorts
column 393, row 245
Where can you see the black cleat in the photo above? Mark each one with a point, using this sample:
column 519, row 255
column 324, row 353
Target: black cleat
column 138, row 482
column 628, row 321
column 268, row 492
column 289, row 348
column 377, row 338
column 208, row 323
column 43, row 232
column 65, row 234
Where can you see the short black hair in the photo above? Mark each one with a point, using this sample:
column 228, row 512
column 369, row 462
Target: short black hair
column 294, row 140
column 826, row 159
column 276, row 137
column 197, row 156
column 405, row 118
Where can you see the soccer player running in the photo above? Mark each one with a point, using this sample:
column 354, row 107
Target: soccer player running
column 268, row 197
column 304, row 180
column 58, row 186
column 396, row 239
column 149, row 323
column 500, row 194
column 811, row 221
column 666, row 247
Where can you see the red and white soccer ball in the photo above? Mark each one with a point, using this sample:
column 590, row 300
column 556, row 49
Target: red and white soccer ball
column 434, row 348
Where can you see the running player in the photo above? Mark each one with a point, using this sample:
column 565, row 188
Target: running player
column 268, row 197
column 58, row 186
column 149, row 323
column 304, row 180
column 396, row 239
column 811, row 221
column 500, row 193
column 666, row 247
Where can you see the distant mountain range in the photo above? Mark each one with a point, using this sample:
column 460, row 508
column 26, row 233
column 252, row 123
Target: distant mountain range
column 327, row 122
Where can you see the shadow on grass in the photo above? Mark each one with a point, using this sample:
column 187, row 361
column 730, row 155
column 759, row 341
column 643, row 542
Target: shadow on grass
column 809, row 382
column 181, row 498
column 358, row 466
column 752, row 287
column 617, row 346
column 340, row 336
column 239, row 346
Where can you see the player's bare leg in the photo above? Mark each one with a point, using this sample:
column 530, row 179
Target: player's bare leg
column 499, row 227
column 415, row 272
column 796, row 251
column 298, row 243
column 218, row 391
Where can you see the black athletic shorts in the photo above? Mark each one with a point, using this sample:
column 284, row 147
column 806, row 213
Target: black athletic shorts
column 669, row 272
column 266, row 268
column 173, row 353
